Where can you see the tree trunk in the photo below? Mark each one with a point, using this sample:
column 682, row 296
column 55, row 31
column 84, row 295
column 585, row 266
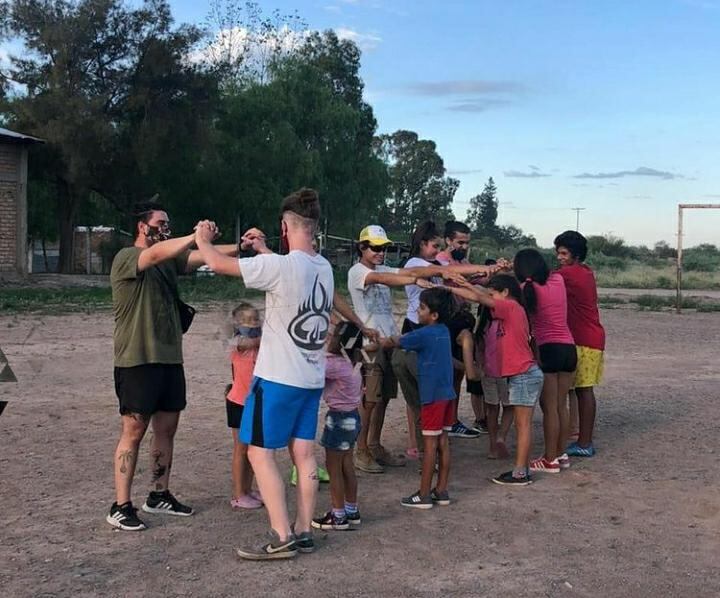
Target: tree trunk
column 67, row 211
column 44, row 252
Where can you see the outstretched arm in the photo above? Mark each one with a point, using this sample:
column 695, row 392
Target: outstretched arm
column 163, row 251
column 195, row 260
column 473, row 293
column 397, row 280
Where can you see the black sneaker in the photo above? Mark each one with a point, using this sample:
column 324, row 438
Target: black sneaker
column 305, row 542
column 125, row 517
column 440, row 498
column 165, row 503
column 273, row 550
column 329, row 521
column 481, row 426
column 508, row 479
column 460, row 430
column 415, row 501
column 353, row 518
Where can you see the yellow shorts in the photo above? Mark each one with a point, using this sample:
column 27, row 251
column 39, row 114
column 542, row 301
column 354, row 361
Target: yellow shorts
column 590, row 366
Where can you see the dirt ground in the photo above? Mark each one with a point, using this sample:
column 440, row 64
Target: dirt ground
column 640, row 519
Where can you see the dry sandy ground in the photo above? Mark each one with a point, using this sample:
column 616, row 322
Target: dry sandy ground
column 641, row 519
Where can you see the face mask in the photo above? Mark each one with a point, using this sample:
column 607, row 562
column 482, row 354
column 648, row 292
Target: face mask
column 247, row 331
column 459, row 254
column 155, row 234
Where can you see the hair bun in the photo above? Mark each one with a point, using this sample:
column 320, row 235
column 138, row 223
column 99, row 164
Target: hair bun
column 304, row 202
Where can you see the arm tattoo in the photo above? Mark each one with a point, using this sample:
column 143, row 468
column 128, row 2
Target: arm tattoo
column 126, row 458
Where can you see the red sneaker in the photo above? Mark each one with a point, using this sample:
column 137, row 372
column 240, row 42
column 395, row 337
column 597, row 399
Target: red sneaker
column 542, row 464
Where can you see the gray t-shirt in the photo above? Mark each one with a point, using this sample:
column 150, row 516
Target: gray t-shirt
column 372, row 303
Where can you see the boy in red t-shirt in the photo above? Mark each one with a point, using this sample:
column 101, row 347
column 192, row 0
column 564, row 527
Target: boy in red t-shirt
column 588, row 332
column 589, row 335
column 244, row 347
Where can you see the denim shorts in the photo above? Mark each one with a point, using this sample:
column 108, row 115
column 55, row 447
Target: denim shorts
column 524, row 389
column 341, row 430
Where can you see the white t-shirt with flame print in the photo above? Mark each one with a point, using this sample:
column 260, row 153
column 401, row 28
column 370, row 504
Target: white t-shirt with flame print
column 298, row 300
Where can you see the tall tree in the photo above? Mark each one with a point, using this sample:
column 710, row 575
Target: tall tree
column 419, row 189
column 306, row 125
column 483, row 212
column 111, row 91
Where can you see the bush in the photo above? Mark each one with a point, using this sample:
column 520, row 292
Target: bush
column 664, row 282
column 700, row 262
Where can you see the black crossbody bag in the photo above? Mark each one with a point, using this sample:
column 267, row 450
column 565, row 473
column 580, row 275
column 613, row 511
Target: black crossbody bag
column 187, row 312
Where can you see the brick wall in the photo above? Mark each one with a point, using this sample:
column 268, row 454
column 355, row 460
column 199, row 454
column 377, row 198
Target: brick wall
column 9, row 224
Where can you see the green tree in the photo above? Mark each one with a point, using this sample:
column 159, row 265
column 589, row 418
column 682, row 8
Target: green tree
column 483, row 213
column 419, row 189
column 306, row 125
column 110, row 90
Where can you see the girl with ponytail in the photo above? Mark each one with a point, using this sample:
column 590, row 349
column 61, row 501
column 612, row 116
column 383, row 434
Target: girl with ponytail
column 511, row 357
column 546, row 301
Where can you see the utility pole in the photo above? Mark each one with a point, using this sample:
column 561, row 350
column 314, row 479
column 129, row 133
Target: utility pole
column 577, row 219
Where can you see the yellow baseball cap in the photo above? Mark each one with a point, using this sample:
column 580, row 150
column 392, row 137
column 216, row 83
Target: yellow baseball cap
column 375, row 235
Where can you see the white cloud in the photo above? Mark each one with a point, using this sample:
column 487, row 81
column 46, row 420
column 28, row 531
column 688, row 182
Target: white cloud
column 364, row 41
column 236, row 43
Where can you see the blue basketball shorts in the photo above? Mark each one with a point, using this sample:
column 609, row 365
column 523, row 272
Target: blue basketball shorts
column 274, row 413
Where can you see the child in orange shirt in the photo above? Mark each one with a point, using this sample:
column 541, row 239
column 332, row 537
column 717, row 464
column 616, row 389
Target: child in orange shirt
column 244, row 347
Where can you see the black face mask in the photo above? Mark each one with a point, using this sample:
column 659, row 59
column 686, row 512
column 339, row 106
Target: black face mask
column 459, row 254
column 155, row 234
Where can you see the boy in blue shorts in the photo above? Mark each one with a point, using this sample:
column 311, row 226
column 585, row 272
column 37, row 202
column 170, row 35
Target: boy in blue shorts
column 282, row 407
column 431, row 342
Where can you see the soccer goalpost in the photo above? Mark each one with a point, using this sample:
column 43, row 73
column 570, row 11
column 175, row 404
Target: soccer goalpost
column 681, row 207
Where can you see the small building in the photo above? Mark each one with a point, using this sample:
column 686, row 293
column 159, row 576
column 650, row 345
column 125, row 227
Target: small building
column 13, row 201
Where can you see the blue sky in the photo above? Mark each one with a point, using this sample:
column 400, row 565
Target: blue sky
column 609, row 105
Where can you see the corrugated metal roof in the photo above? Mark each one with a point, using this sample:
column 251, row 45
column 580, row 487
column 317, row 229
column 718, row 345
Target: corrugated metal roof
column 18, row 137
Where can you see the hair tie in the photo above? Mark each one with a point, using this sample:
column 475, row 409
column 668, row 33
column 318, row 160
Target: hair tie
column 529, row 279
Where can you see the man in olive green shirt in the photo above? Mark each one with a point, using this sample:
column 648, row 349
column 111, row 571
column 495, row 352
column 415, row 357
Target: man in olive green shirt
column 149, row 376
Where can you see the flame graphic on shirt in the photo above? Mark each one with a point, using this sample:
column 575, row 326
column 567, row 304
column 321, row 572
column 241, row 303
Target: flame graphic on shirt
column 309, row 328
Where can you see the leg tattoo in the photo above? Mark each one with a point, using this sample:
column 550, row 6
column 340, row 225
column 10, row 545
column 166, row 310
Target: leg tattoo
column 159, row 470
column 126, row 458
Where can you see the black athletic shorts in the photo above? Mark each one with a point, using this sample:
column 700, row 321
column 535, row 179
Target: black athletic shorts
column 557, row 357
column 474, row 387
column 149, row 388
column 234, row 414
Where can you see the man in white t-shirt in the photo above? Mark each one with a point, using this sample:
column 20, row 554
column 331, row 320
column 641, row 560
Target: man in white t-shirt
column 369, row 282
column 282, row 407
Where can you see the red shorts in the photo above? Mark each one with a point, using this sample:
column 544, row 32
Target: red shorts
column 436, row 417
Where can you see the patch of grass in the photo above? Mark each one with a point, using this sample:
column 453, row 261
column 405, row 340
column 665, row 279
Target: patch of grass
column 610, row 300
column 655, row 303
column 646, row 276
column 193, row 290
column 54, row 300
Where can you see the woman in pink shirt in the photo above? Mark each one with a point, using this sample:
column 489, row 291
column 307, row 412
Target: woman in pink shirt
column 546, row 303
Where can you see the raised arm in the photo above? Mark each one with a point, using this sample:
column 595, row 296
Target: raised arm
column 215, row 259
column 164, row 250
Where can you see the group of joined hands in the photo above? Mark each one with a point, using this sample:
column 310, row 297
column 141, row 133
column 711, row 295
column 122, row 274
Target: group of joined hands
column 206, row 231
